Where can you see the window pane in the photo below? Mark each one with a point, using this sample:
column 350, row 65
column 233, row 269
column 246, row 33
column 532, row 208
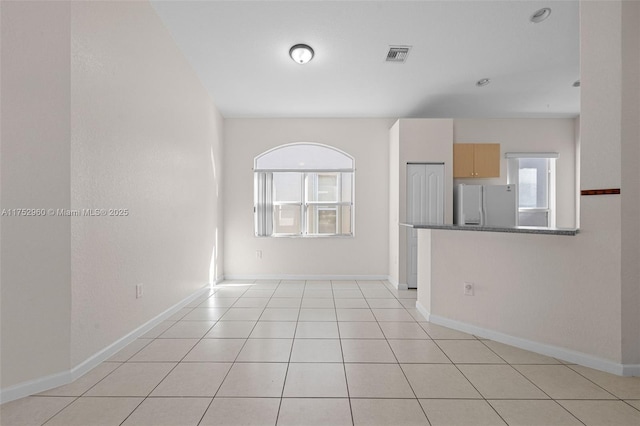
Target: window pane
column 329, row 220
column 533, row 219
column 322, row 219
column 533, row 183
column 327, row 187
column 528, row 185
column 286, row 219
column 322, row 187
column 287, row 187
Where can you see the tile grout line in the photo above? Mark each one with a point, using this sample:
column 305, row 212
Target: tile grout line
column 182, row 359
column 344, row 365
column 204, row 413
column 469, row 381
column 235, row 360
column 144, row 398
column 632, row 406
column 400, row 365
column 60, row 410
column 529, row 380
column 585, row 377
column 286, row 373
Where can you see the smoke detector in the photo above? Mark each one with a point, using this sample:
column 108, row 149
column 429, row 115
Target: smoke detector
column 398, row 54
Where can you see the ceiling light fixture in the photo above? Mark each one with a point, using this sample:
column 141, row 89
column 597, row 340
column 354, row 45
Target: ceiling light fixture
column 483, row 82
column 540, row 15
column 301, row 53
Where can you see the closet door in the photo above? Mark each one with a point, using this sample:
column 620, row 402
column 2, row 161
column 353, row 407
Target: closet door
column 425, row 204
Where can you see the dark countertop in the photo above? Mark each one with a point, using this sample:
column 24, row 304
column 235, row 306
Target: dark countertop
column 478, row 228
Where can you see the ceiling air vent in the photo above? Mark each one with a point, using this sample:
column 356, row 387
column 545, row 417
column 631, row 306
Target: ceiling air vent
column 398, row 53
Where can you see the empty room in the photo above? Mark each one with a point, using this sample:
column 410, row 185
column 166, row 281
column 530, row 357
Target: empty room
column 319, row 213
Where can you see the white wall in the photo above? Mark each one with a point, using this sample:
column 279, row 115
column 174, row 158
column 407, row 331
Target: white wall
column 614, row 83
column 394, row 204
column 99, row 110
column 35, row 256
column 630, row 183
column 600, row 167
column 366, row 254
column 146, row 137
column 528, row 135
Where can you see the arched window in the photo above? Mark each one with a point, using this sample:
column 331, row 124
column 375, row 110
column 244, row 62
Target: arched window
column 303, row 190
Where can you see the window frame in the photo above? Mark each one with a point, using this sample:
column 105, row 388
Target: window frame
column 264, row 187
column 513, row 176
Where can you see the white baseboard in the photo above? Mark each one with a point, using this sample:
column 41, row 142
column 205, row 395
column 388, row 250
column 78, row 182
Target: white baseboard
column 34, row 386
column 423, row 311
column 396, row 284
column 306, row 277
column 631, row 370
column 42, row 384
column 558, row 352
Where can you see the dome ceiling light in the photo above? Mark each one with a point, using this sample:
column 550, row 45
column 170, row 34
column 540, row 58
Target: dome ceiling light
column 301, row 53
column 483, row 82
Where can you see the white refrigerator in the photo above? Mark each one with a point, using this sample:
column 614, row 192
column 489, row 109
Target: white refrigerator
column 486, row 205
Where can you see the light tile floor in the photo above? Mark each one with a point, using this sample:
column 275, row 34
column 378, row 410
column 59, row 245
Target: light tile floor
column 325, row 353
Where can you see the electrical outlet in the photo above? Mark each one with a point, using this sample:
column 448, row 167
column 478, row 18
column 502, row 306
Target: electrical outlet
column 258, row 254
column 139, row 291
column 468, row 289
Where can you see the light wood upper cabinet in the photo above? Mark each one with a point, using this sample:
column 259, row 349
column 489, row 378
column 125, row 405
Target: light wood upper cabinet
column 476, row 160
column 463, row 160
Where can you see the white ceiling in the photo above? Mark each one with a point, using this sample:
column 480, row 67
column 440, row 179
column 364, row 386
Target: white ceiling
column 240, row 51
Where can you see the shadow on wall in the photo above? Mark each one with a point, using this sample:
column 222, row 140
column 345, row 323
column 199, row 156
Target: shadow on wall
column 454, row 102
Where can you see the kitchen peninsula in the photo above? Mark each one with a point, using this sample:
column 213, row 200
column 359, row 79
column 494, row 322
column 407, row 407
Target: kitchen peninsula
column 522, row 280
column 511, row 229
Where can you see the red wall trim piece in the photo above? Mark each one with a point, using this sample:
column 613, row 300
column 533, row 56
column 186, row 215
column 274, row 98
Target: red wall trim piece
column 600, row 191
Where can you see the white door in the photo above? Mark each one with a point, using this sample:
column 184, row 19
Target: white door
column 425, row 204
